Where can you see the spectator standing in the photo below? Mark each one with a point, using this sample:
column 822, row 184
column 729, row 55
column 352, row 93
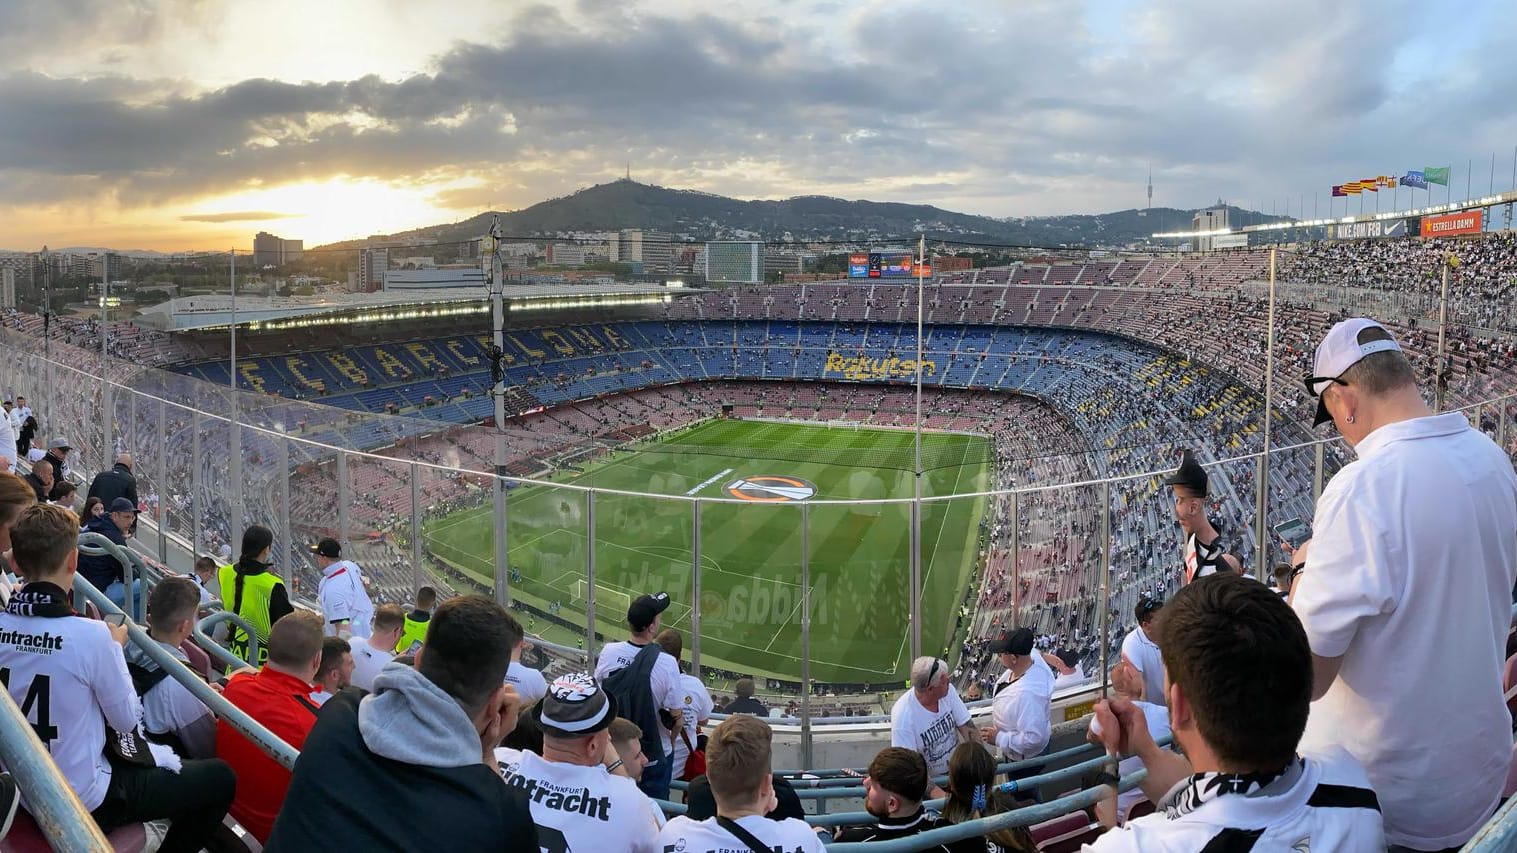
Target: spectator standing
column 345, row 602
column 1205, row 552
column 278, row 697
column 972, row 795
column 255, row 593
column 371, row 653
column 645, row 682
column 26, row 437
column 1416, row 539
column 118, row 482
column 104, row 571
column 893, row 794
column 1067, row 671
column 1241, row 783
column 415, row 631
column 78, row 665
column 530, row 685
column 739, row 764
column 697, row 704
column 335, row 671
column 425, row 737
column 1141, row 652
column 9, row 429
column 170, row 712
column 930, row 717
column 1023, row 698
column 578, row 803
column 743, row 701
column 22, row 409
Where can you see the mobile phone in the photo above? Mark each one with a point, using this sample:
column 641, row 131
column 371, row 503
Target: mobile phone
column 1294, row 531
column 115, row 619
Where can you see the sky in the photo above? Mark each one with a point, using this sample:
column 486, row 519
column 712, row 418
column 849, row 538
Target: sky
column 191, row 124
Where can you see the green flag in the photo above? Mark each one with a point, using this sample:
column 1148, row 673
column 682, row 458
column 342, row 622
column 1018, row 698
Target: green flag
column 1436, row 174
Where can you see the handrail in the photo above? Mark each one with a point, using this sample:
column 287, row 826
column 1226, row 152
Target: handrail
column 1499, row 835
column 93, row 544
column 50, row 800
column 271, row 744
column 202, row 636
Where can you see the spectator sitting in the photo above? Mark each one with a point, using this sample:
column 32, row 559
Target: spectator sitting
column 425, row 737
column 698, row 704
column 105, row 572
column 204, row 577
column 627, row 740
column 1141, row 652
column 972, row 795
column 893, row 793
column 345, row 602
column 529, row 683
column 583, row 793
column 93, row 509
column 335, row 671
column 371, row 653
column 253, row 592
column 930, row 718
column 88, row 689
column 40, row 478
column 15, row 496
column 744, row 703
column 278, row 697
column 1023, row 698
column 57, row 453
column 739, row 756
column 646, row 683
column 1127, row 684
column 170, row 712
column 415, row 632
column 64, row 495
column 1240, row 780
column 1067, row 670
column 115, row 483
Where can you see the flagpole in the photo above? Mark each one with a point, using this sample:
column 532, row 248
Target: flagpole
column 1469, row 175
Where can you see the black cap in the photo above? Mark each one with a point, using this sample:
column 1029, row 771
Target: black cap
column 575, row 706
column 122, row 505
column 643, row 610
column 1070, row 657
column 1189, row 476
column 327, row 548
column 1018, row 642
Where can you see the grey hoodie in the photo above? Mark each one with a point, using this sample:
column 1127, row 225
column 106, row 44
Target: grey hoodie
column 408, row 718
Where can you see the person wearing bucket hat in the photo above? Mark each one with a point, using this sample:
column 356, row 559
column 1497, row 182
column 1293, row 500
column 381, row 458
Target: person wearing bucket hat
column 1205, row 553
column 574, row 788
column 1414, row 539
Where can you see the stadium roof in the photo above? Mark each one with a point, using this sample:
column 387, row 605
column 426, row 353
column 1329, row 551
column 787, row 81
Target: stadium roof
column 192, row 313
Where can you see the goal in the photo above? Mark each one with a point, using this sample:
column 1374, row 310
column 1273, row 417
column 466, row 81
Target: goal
column 607, row 600
column 837, row 424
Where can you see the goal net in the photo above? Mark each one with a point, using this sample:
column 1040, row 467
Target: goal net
column 853, row 425
column 606, row 600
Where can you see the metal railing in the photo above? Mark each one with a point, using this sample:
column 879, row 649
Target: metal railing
column 50, row 800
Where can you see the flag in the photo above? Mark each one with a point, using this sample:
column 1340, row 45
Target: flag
column 1352, row 188
column 1436, row 175
column 1339, row 191
column 1388, row 182
column 1370, row 184
column 1415, row 180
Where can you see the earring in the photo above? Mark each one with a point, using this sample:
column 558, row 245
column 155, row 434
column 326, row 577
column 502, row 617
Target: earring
column 1349, row 419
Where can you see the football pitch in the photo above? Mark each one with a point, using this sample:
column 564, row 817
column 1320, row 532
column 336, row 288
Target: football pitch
column 751, row 549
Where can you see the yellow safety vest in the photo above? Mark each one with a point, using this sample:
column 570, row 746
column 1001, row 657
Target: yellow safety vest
column 411, row 636
column 253, row 606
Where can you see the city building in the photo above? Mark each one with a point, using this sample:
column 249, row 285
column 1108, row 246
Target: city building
column 785, row 261
column 434, row 278
column 951, row 263
column 1211, row 219
column 7, row 287
column 272, row 251
column 651, row 251
column 372, row 265
column 736, row 262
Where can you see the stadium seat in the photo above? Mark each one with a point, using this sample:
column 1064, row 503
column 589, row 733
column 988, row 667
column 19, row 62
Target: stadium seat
column 1058, row 827
column 26, row 837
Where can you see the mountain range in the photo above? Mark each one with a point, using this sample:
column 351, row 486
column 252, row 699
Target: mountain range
column 693, row 215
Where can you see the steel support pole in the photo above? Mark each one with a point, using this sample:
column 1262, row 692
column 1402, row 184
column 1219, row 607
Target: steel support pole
column 806, row 732
column 234, row 436
column 916, row 500
column 1016, row 563
column 1261, row 507
column 343, row 496
column 1105, row 585
column 107, row 413
column 161, row 512
column 196, row 500
column 286, row 534
column 497, row 287
column 914, row 582
column 1501, row 422
column 418, row 575
column 590, row 577
column 1319, row 462
column 1443, row 307
column 695, row 588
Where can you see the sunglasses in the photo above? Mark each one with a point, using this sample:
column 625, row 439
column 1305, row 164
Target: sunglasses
column 1311, row 383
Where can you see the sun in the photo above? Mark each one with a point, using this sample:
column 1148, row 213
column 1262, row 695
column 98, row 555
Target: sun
column 326, row 211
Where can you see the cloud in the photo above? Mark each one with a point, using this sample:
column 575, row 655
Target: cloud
column 237, row 216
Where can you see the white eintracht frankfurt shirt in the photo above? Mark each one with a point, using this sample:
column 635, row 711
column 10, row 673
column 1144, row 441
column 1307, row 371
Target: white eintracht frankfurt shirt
column 1021, row 708
column 1327, row 805
column 588, row 807
column 1409, row 581
column 367, row 662
column 698, row 706
column 343, row 596
column 69, row 678
column 529, row 683
column 664, row 679
column 1143, row 653
column 934, row 734
column 707, row 836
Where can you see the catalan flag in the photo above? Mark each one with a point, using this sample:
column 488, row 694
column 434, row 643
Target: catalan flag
column 1353, row 187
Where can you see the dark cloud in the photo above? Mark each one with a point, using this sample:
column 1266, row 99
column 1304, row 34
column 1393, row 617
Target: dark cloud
column 238, row 216
column 1007, row 112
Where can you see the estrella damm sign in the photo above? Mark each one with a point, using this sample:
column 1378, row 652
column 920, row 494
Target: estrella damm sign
column 864, row 367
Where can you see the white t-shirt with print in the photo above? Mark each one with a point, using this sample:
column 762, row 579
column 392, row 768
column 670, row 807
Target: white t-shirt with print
column 697, row 706
column 367, row 662
column 591, row 808
column 934, row 734
column 664, row 679
column 707, row 836
column 73, row 669
column 342, row 596
column 529, row 683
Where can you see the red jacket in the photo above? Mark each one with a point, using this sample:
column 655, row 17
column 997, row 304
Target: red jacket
column 282, row 703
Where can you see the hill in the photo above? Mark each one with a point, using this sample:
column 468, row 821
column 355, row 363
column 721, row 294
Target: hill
column 704, row 216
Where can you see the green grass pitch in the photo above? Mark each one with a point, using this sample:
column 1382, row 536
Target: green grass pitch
column 751, row 552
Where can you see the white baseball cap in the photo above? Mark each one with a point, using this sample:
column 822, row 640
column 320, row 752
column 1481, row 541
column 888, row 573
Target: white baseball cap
column 1345, row 344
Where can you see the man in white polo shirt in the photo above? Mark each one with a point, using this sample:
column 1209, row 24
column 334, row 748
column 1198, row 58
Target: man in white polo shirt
column 1406, row 594
column 371, row 653
column 345, row 605
column 930, row 718
column 1141, row 652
